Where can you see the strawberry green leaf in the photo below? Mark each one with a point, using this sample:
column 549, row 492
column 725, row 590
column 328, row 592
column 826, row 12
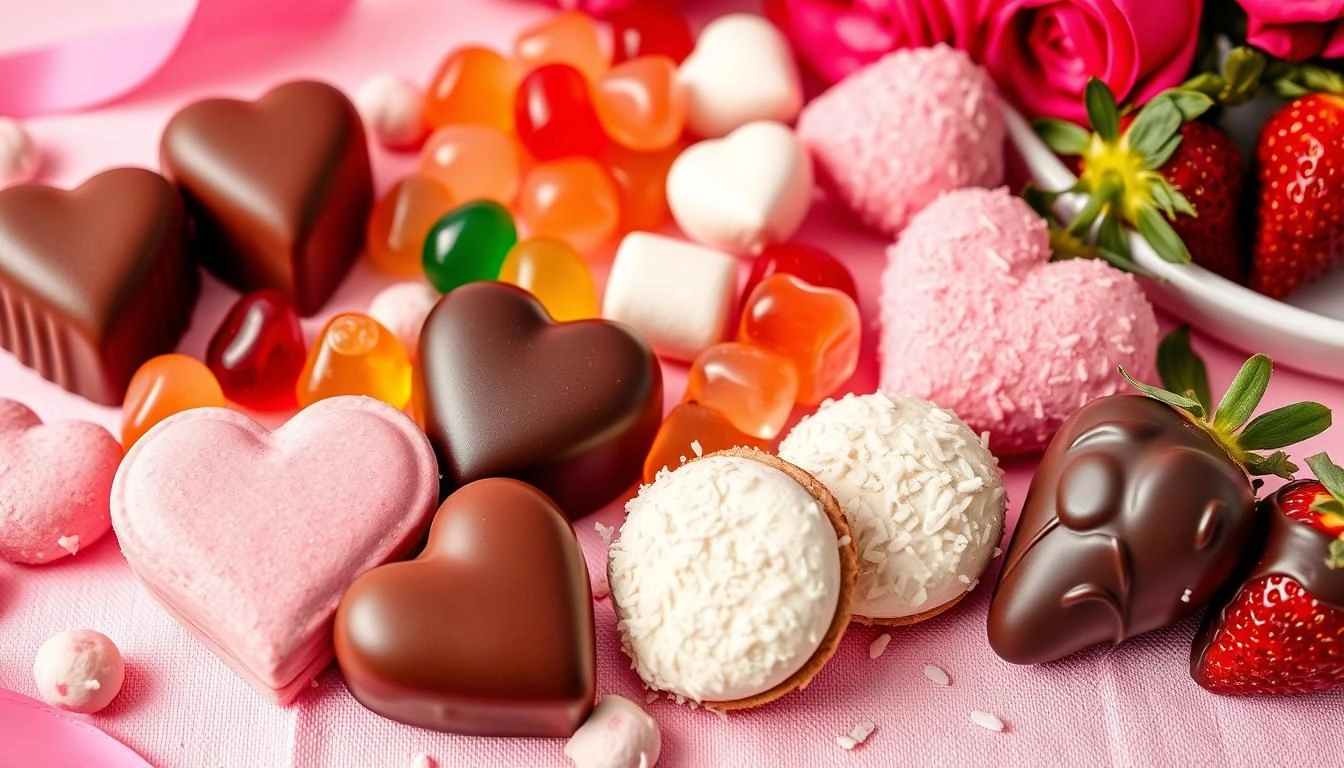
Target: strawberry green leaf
column 1321, row 80
column 1242, row 70
column 1064, row 138
column 1190, row 103
column 1181, row 203
column 1333, row 507
column 1336, row 557
column 1111, row 236
column 1161, row 236
column 1210, row 84
column 1276, row 464
column 1285, row 426
column 1162, row 154
column 1157, row 122
column 1182, row 370
column 1329, row 473
column 1170, row 398
column 1243, row 396
column 1101, row 110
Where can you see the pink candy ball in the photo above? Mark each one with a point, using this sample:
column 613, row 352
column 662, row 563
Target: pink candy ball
column 392, row 108
column 402, row 308
column 79, row 670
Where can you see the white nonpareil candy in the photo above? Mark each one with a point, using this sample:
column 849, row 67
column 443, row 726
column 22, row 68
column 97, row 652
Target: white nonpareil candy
column 392, row 108
column 79, row 670
column 744, row 191
column 741, row 70
column 618, row 734
column 402, row 308
column 18, row 154
column 678, row 296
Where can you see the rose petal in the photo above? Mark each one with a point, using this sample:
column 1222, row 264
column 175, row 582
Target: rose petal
column 1293, row 11
column 1294, row 42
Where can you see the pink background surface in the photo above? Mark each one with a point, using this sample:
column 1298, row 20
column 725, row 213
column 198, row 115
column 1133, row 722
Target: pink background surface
column 181, row 707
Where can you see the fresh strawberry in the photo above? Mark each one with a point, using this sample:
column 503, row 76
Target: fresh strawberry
column 1300, row 155
column 1207, row 168
column 1283, row 629
column 1177, row 182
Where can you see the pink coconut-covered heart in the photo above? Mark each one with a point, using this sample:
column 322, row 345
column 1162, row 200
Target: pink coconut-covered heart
column 250, row 537
column 54, row 482
column 976, row 318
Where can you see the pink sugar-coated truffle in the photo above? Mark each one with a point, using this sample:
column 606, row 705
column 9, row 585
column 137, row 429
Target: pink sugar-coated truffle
column 977, row 319
column 54, row 485
column 79, row 670
column 402, row 308
column 894, row 135
column 392, row 108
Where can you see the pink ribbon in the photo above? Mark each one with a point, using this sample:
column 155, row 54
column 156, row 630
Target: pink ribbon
column 89, row 70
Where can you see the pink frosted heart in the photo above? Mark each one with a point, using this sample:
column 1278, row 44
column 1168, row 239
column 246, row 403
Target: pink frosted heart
column 251, row 537
column 977, row 319
column 54, row 481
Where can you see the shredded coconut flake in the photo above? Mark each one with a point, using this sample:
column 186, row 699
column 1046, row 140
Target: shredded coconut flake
column 987, row 720
column 723, row 714
column 699, row 450
column 605, row 531
column 846, row 742
column 844, row 541
column 69, row 544
column 936, row 675
column 650, row 697
column 879, row 646
column 857, row 735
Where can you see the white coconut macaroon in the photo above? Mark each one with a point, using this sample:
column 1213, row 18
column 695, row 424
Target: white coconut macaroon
column 732, row 579
column 921, row 491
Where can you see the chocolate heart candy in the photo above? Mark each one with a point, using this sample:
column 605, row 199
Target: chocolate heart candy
column 1133, row 521
column 94, row 280
column 488, row 632
column 279, row 188
column 571, row 408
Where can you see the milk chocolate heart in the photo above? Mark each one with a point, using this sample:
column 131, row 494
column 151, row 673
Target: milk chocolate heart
column 488, row 632
column 94, row 280
column 571, row 408
column 279, row 188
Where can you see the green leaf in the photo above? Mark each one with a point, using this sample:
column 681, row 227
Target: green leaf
column 1287, row 89
column 1244, row 395
column 1242, row 69
column 1040, row 200
column 1208, row 83
column 1170, row 398
column 1181, row 369
column 1111, row 236
column 1329, row 507
column 1105, row 193
column 1285, row 426
column 1181, row 203
column 1190, row 103
column 1159, row 158
column 1276, row 464
column 1157, row 122
column 1161, row 236
column 1101, row 110
column 1335, row 559
column 1321, row 80
column 1329, row 473
column 1063, row 137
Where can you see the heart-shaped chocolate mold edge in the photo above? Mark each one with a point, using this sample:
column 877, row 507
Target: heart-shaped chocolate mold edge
column 488, row 632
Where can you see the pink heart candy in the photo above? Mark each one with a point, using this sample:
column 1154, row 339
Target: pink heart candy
column 976, row 318
column 250, row 537
column 54, row 481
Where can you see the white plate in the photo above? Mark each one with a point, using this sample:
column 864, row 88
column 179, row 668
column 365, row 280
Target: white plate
column 1305, row 332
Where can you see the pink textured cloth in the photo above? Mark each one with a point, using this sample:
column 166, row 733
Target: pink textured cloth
column 181, row 706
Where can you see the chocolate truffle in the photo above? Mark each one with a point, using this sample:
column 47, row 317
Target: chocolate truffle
column 488, row 632
column 279, row 189
column 571, row 408
column 1134, row 519
column 94, row 280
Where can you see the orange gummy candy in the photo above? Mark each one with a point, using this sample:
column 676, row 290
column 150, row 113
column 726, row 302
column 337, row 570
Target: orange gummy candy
column 400, row 221
column 571, row 199
column 473, row 85
column 754, row 387
column 818, row 329
column 355, row 355
column 641, row 185
column 692, row 430
column 568, row 37
column 640, row 103
column 163, row 386
column 476, row 162
column 556, row 274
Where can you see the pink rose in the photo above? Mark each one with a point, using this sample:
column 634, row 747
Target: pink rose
column 836, row 37
column 1042, row 52
column 1296, row 30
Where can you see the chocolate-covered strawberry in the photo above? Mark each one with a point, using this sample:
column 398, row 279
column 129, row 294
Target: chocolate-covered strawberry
column 1140, row 509
column 1281, row 628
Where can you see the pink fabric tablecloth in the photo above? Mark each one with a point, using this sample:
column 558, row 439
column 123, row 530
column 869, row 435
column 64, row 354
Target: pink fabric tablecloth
column 1134, row 705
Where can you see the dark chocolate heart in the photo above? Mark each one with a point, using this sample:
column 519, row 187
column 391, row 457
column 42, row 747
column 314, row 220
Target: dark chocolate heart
column 571, row 408
column 1134, row 520
column 94, row 280
column 488, row 632
column 279, row 188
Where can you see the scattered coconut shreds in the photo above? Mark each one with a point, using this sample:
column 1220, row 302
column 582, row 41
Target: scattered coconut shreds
column 987, row 720
column 313, row 683
column 857, row 735
column 601, row 587
column 998, row 552
column 69, row 544
column 650, row 697
column 723, row 714
column 936, row 675
column 604, row 531
column 845, row 540
column 699, row 449
column 422, row 761
column 879, row 646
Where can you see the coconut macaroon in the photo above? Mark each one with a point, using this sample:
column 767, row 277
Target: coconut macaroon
column 922, row 493
column 732, row 579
